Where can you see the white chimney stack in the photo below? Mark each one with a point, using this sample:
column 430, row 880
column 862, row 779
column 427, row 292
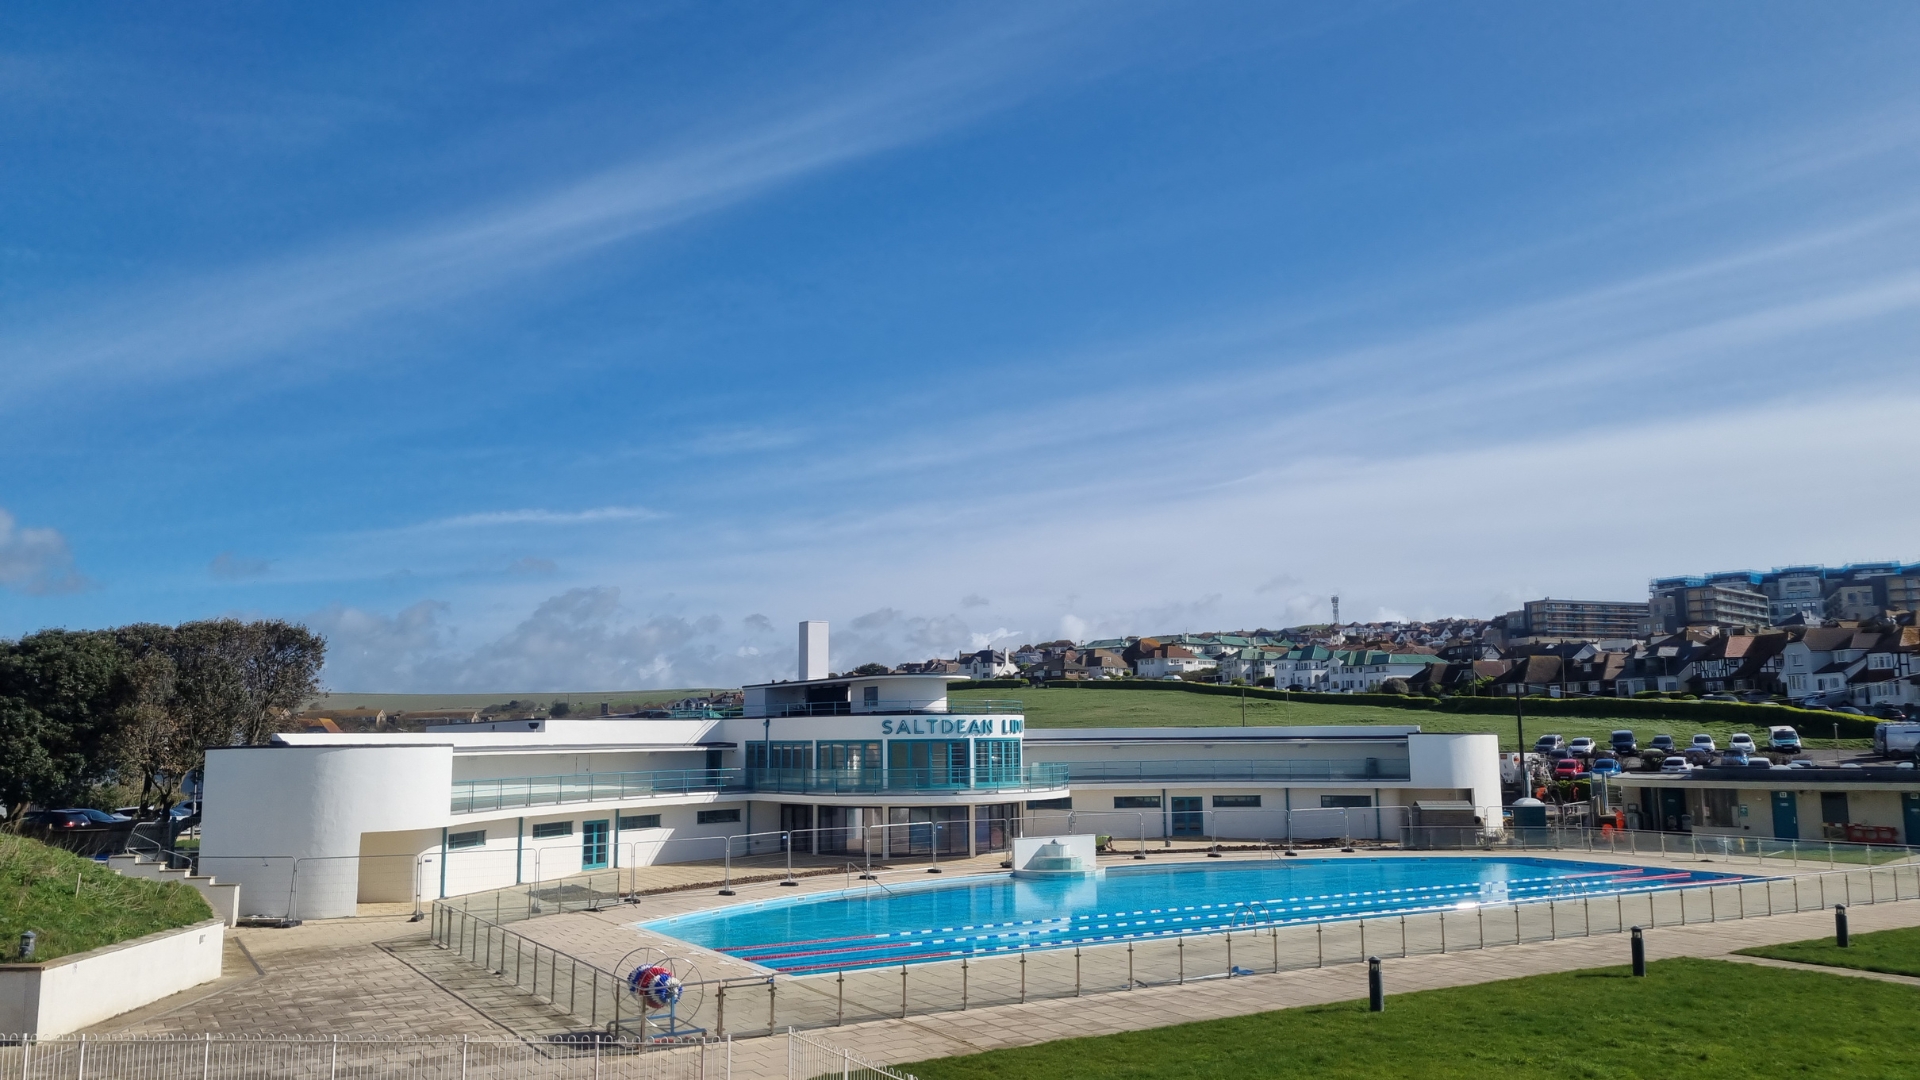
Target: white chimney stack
column 813, row 650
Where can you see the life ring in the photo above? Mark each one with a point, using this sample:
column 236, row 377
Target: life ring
column 655, row 986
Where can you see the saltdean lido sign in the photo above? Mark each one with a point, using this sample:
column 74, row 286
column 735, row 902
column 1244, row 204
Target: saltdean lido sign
column 952, row 725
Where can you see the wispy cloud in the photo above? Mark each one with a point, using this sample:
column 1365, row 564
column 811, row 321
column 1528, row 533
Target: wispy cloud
column 227, row 566
column 37, row 561
column 258, row 311
column 493, row 518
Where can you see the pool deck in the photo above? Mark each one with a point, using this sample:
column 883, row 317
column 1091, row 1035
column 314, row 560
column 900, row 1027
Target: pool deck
column 377, row 975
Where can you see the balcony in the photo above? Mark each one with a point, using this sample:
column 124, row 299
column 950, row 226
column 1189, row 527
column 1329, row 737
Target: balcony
column 931, row 706
column 472, row 796
column 905, row 781
column 1228, row 770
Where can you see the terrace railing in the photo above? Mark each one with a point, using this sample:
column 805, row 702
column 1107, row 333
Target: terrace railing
column 933, row 706
column 1238, row 770
column 472, row 795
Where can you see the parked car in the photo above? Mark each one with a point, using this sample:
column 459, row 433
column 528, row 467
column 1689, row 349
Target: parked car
column 1735, row 757
column 1802, row 763
column 1581, row 747
column 1675, row 765
column 1784, row 739
column 1622, row 742
column 1661, row 744
column 1848, row 709
column 1896, row 740
column 1605, row 766
column 1559, row 755
column 1546, row 744
column 1718, row 696
column 1703, row 743
column 1567, row 769
column 1742, row 742
column 1888, row 711
column 73, row 818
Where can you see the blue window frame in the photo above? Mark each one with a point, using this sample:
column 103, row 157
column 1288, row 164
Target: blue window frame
column 593, row 845
column 552, row 830
column 926, row 763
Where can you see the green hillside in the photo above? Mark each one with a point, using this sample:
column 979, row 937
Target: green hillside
column 1112, row 707
column 74, row 904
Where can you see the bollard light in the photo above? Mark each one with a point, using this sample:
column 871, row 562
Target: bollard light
column 1639, row 954
column 26, row 945
column 1376, row 991
column 1840, row 936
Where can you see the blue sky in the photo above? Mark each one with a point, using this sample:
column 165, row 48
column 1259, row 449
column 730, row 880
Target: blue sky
column 546, row 347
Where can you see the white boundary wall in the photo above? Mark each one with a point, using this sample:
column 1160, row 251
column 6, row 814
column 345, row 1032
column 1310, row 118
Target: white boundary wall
column 72, row 992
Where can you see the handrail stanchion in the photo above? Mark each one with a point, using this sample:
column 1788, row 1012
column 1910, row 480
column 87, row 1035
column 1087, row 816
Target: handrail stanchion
column 934, row 844
column 726, row 882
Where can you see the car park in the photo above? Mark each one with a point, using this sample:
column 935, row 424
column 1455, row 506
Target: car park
column 1661, row 744
column 1702, row 743
column 1675, row 765
column 1581, row 747
column 1742, row 742
column 1622, row 742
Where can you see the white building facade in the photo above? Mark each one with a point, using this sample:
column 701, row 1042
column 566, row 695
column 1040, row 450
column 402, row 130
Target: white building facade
column 317, row 823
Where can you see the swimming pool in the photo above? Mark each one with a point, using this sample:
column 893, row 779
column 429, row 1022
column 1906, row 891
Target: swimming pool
column 923, row 922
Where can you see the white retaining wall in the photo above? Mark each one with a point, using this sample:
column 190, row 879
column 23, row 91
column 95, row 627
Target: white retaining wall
column 72, row 992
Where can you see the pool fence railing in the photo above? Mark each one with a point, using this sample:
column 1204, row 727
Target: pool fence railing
column 1247, row 942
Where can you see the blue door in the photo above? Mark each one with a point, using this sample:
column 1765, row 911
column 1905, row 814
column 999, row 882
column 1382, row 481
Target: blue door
column 1786, row 816
column 1188, row 818
column 1910, row 812
column 593, row 845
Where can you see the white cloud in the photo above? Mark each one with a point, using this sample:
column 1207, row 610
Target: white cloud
column 36, row 561
column 542, row 517
column 262, row 310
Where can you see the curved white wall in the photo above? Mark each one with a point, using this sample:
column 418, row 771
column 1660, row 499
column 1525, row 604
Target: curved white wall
column 1467, row 761
column 285, row 821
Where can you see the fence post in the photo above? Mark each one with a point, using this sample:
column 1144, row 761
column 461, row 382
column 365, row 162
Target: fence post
column 1180, row 950
column 1023, row 976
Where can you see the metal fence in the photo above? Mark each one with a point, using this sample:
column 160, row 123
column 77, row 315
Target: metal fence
column 1252, row 943
column 320, row 1057
column 811, row 1059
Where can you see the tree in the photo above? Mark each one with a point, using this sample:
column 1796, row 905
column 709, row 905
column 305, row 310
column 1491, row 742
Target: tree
column 871, row 669
column 279, row 666
column 559, row 708
column 152, row 738
column 60, row 693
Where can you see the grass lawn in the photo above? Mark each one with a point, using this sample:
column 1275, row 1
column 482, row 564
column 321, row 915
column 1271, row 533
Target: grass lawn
column 1894, row 951
column 76, row 904
column 1687, row 1018
column 1061, row 708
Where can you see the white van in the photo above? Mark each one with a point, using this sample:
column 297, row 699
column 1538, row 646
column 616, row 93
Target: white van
column 1783, row 739
column 1896, row 739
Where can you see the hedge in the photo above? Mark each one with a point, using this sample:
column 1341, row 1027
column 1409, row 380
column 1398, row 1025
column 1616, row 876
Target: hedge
column 1738, row 714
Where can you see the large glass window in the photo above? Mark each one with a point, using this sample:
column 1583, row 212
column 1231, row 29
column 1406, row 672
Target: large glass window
column 927, row 827
column 849, row 756
column 994, row 826
column 926, row 763
column 797, row 754
column 996, row 761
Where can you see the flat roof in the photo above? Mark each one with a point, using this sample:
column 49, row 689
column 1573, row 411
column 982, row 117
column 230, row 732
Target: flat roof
column 558, row 736
column 853, row 678
column 1370, row 733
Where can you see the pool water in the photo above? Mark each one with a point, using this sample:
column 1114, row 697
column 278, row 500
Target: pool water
column 875, row 926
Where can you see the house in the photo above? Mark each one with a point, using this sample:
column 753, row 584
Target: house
column 1170, row 661
column 1250, row 665
column 988, row 664
column 1817, row 665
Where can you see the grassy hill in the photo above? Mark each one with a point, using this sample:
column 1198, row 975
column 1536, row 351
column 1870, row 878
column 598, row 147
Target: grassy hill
column 75, row 904
column 1068, row 708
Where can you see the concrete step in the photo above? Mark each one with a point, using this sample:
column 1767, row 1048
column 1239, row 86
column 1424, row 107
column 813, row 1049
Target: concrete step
column 223, row 899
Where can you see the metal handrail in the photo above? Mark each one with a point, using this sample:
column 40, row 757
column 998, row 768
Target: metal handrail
column 1239, row 769
column 931, row 706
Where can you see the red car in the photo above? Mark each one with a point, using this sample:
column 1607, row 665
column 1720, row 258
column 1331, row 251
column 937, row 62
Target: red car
column 1568, row 769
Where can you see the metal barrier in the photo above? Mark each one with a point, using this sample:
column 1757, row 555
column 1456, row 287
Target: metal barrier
column 322, row 1057
column 1255, row 941
column 811, row 1059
